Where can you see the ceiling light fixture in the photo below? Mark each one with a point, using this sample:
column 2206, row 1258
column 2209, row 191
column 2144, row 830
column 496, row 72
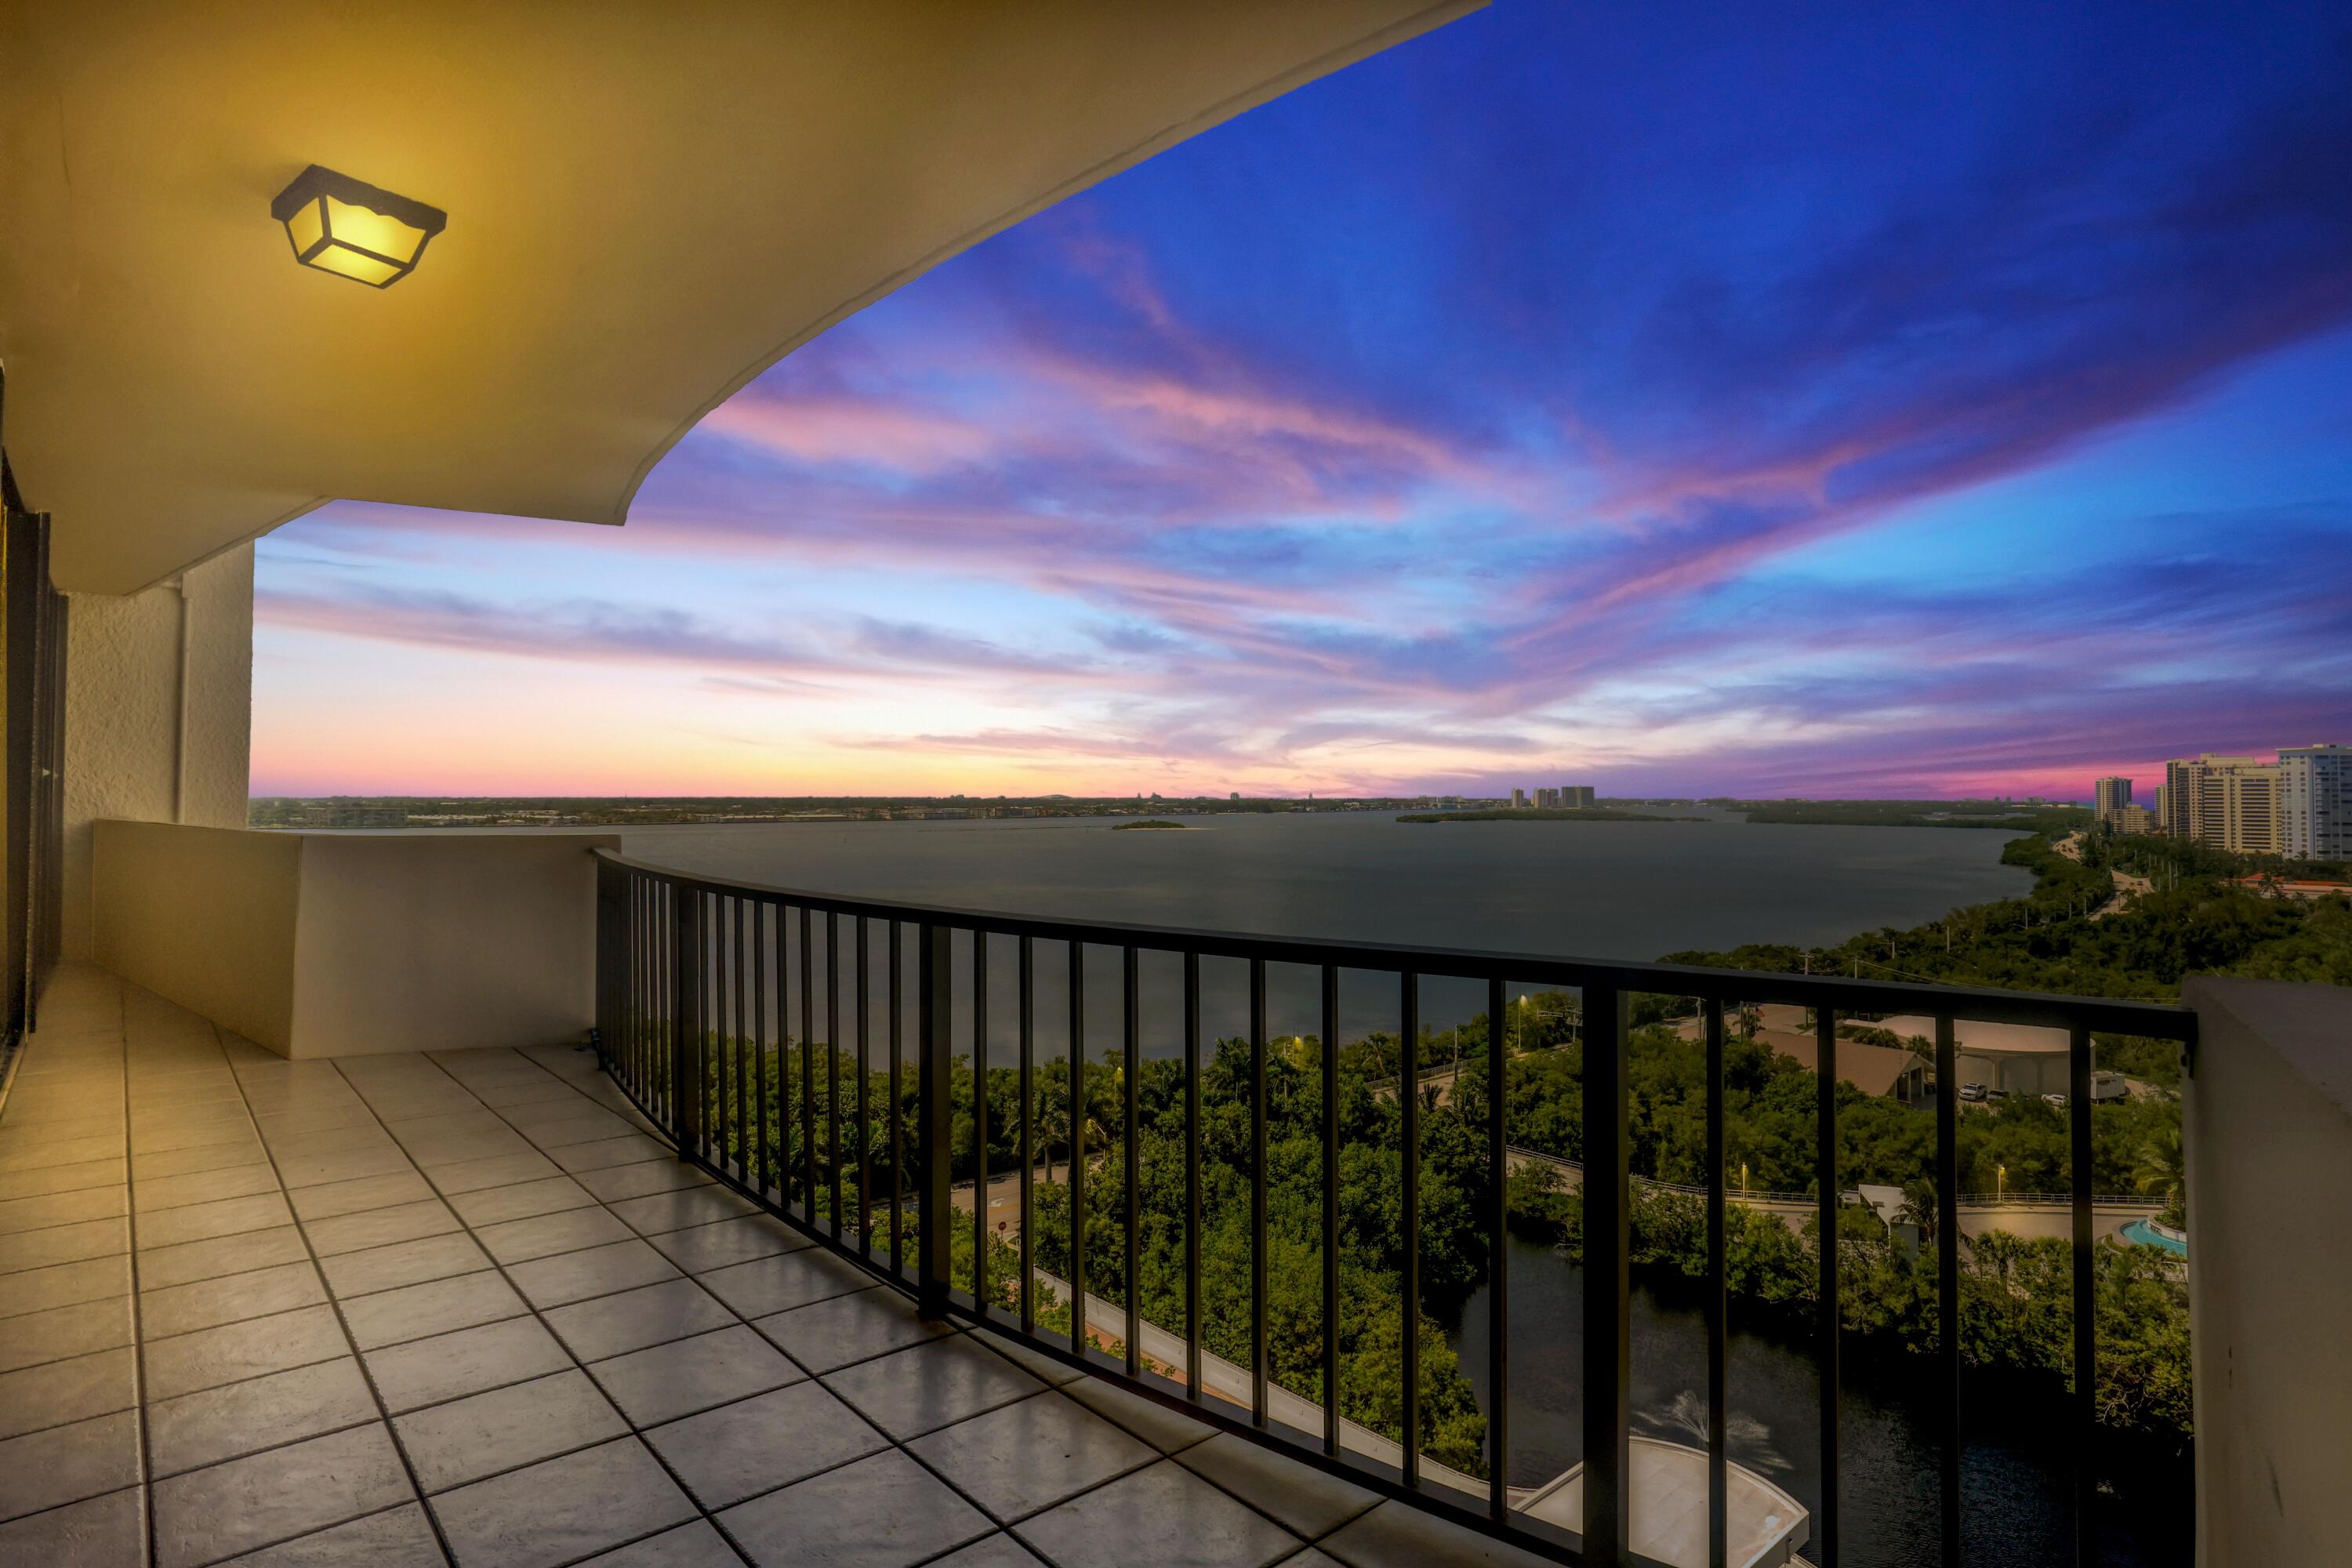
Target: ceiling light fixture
column 354, row 229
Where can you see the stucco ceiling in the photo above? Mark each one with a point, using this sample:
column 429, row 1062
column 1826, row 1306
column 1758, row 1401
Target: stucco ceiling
column 649, row 204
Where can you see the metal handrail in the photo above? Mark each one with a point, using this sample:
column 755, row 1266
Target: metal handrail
column 684, row 1003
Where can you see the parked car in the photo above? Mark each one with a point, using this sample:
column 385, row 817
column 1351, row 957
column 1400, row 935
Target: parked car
column 1997, row 1094
column 1972, row 1091
column 2057, row 1099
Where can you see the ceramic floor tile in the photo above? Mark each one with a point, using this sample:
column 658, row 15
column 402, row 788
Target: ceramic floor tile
column 757, row 1445
column 911, row 1392
column 882, row 1512
column 66, row 1464
column 346, row 1166
column 61, row 1332
column 544, row 1236
column 599, row 1271
column 379, row 1227
column 632, row 1319
column 242, row 1253
column 680, row 1208
column 199, row 1429
column 227, row 1216
column 829, row 1334
column 61, row 1244
column 469, row 1360
column 694, row 1545
column 780, row 1283
column 397, row 1538
column 191, row 1161
column 1168, row 1431
column 229, row 1298
column 204, row 1515
column 665, row 1382
column 211, row 1357
column 403, row 1263
column 654, row 1175
column 1166, row 1517
column 1002, row 1550
column 505, row 1429
column 64, row 1284
column 420, row 1312
column 505, row 1170
column 524, row 1200
column 62, row 1208
column 105, row 1532
column 608, row 1151
column 63, row 1178
column 1305, row 1501
column 56, row 1392
column 358, row 1196
column 561, row 1510
column 1031, row 1455
column 703, row 1248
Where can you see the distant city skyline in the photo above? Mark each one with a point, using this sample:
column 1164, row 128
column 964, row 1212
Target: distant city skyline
column 1893, row 405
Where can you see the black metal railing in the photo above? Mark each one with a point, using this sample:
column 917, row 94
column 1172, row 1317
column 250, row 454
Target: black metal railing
column 698, row 980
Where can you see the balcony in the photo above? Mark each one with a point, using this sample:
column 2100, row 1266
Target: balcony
column 365, row 1311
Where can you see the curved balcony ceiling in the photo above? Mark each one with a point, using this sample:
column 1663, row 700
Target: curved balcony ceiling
column 649, row 204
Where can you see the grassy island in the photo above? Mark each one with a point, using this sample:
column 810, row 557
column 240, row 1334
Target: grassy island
column 1546, row 814
column 1153, row 825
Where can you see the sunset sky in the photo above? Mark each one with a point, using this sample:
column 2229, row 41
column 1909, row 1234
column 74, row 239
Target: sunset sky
column 1881, row 401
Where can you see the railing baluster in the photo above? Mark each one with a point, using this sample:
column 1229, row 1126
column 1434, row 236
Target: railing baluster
column 1193, row 1174
column 1826, row 1320
column 742, row 1056
column 1257, row 1191
column 2086, row 1327
column 1718, row 1482
column 833, row 1064
column 864, row 1084
column 1028, row 987
column 1330, row 1087
column 1947, row 1276
column 1608, row 1285
column 759, row 1038
column 1077, row 1122
column 808, row 1067
column 1132, row 1068
column 682, row 1102
column 935, row 1012
column 896, row 1118
column 1409, row 1227
column 1499, row 1259
column 980, row 1119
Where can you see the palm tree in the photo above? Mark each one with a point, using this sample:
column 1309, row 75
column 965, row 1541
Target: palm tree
column 1747, row 1019
column 2164, row 1167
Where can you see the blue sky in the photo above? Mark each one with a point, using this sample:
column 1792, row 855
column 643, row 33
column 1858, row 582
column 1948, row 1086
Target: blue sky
column 1877, row 402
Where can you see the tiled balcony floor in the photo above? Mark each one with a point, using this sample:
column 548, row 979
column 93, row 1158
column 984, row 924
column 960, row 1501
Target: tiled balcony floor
column 459, row 1306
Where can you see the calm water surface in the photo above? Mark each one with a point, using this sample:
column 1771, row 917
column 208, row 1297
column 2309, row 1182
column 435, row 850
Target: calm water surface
column 1603, row 890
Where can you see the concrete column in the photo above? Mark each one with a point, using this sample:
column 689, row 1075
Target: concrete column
column 159, row 712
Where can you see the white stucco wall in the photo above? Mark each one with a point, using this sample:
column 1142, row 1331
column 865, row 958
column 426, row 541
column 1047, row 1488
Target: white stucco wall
column 130, row 753
column 325, row 944
column 2267, row 1121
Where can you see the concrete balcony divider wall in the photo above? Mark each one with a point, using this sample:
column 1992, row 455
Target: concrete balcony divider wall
column 2267, row 1121
column 323, row 944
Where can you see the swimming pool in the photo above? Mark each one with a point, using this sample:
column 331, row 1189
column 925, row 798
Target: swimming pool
column 2143, row 1232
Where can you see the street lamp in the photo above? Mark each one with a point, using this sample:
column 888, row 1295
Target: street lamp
column 1999, row 1183
column 354, row 229
column 1743, row 1178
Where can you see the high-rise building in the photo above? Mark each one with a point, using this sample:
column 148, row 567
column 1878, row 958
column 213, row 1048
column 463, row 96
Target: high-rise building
column 2130, row 819
column 2194, row 803
column 2110, row 795
column 2155, row 809
column 2250, row 808
column 1518, row 800
column 2314, row 802
column 1575, row 797
column 1547, row 799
